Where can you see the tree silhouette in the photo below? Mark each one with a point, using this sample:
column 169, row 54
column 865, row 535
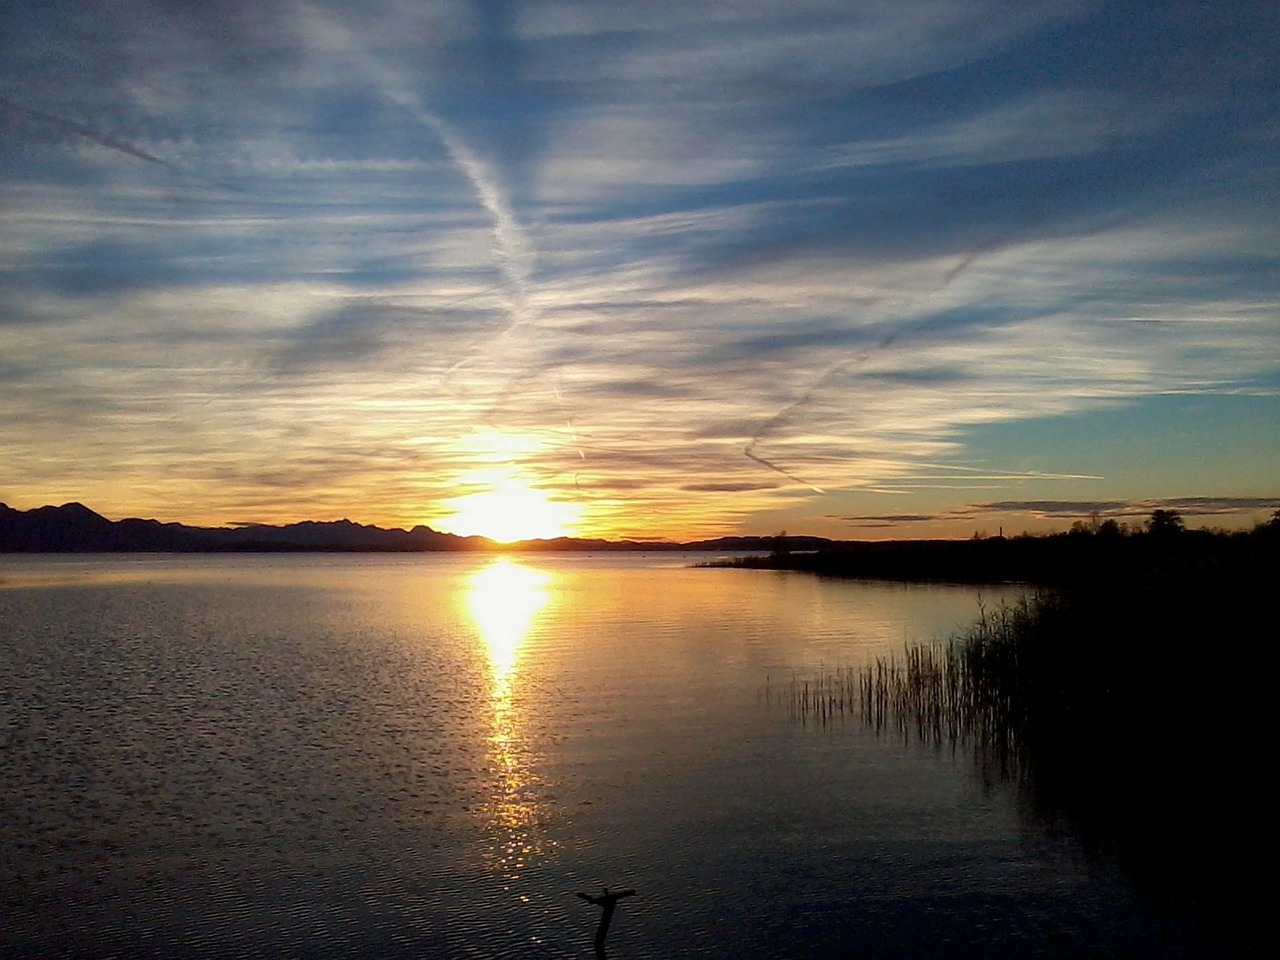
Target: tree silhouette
column 781, row 547
column 1164, row 523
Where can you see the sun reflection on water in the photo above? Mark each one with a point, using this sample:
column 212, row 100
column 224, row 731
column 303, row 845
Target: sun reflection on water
column 505, row 599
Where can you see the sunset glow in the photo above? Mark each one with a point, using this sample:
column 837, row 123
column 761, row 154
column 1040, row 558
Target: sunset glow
column 510, row 512
column 660, row 270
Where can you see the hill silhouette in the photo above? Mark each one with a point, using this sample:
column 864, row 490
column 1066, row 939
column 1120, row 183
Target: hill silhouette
column 74, row 528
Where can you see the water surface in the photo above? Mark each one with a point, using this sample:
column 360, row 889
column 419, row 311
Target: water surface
column 428, row 755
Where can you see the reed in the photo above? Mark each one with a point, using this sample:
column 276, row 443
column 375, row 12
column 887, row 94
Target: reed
column 1113, row 707
column 966, row 691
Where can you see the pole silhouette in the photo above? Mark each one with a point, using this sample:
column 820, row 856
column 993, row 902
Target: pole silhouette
column 607, row 902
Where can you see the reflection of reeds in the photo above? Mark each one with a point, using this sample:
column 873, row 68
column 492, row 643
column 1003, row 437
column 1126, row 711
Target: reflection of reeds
column 965, row 691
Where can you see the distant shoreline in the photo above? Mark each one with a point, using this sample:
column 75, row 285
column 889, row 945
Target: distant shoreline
column 1050, row 560
column 75, row 528
column 1097, row 555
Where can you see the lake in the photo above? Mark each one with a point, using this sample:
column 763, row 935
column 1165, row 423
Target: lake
column 429, row 755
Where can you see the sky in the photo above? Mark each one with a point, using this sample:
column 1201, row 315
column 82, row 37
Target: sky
column 653, row 268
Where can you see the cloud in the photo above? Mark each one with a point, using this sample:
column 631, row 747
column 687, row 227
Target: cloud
column 1083, row 509
column 714, row 257
column 1068, row 508
column 886, row 519
column 363, row 330
column 727, row 487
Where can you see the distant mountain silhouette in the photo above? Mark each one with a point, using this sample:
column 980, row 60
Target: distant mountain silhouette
column 74, row 528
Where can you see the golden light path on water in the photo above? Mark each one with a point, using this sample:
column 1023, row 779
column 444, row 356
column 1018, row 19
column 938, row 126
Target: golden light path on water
column 505, row 599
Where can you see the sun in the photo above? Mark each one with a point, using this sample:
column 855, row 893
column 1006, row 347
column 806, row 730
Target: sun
column 510, row 511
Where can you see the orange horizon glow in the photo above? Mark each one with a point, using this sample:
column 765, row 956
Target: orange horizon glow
column 527, row 512
column 505, row 505
column 511, row 511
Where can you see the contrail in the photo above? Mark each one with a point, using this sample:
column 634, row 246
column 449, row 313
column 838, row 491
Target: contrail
column 746, row 451
column 91, row 135
column 784, row 414
column 515, row 258
column 975, row 253
column 952, row 274
column 84, row 132
column 1111, row 143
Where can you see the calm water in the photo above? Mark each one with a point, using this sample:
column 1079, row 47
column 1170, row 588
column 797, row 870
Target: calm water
column 427, row 756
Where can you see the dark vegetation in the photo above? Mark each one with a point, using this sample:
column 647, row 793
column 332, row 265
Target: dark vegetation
column 1092, row 551
column 1128, row 701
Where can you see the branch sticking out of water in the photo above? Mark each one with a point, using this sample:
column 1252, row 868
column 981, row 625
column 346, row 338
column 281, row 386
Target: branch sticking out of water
column 607, row 902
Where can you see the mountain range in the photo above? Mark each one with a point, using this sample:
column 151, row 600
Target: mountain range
column 74, row 528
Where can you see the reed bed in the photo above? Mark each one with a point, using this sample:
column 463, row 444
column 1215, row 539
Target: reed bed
column 968, row 690
column 1128, row 705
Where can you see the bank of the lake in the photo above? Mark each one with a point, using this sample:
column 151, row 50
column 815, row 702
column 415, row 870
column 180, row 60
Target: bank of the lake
column 1127, row 699
column 1048, row 560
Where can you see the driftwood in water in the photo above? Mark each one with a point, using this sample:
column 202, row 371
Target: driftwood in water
column 607, row 902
